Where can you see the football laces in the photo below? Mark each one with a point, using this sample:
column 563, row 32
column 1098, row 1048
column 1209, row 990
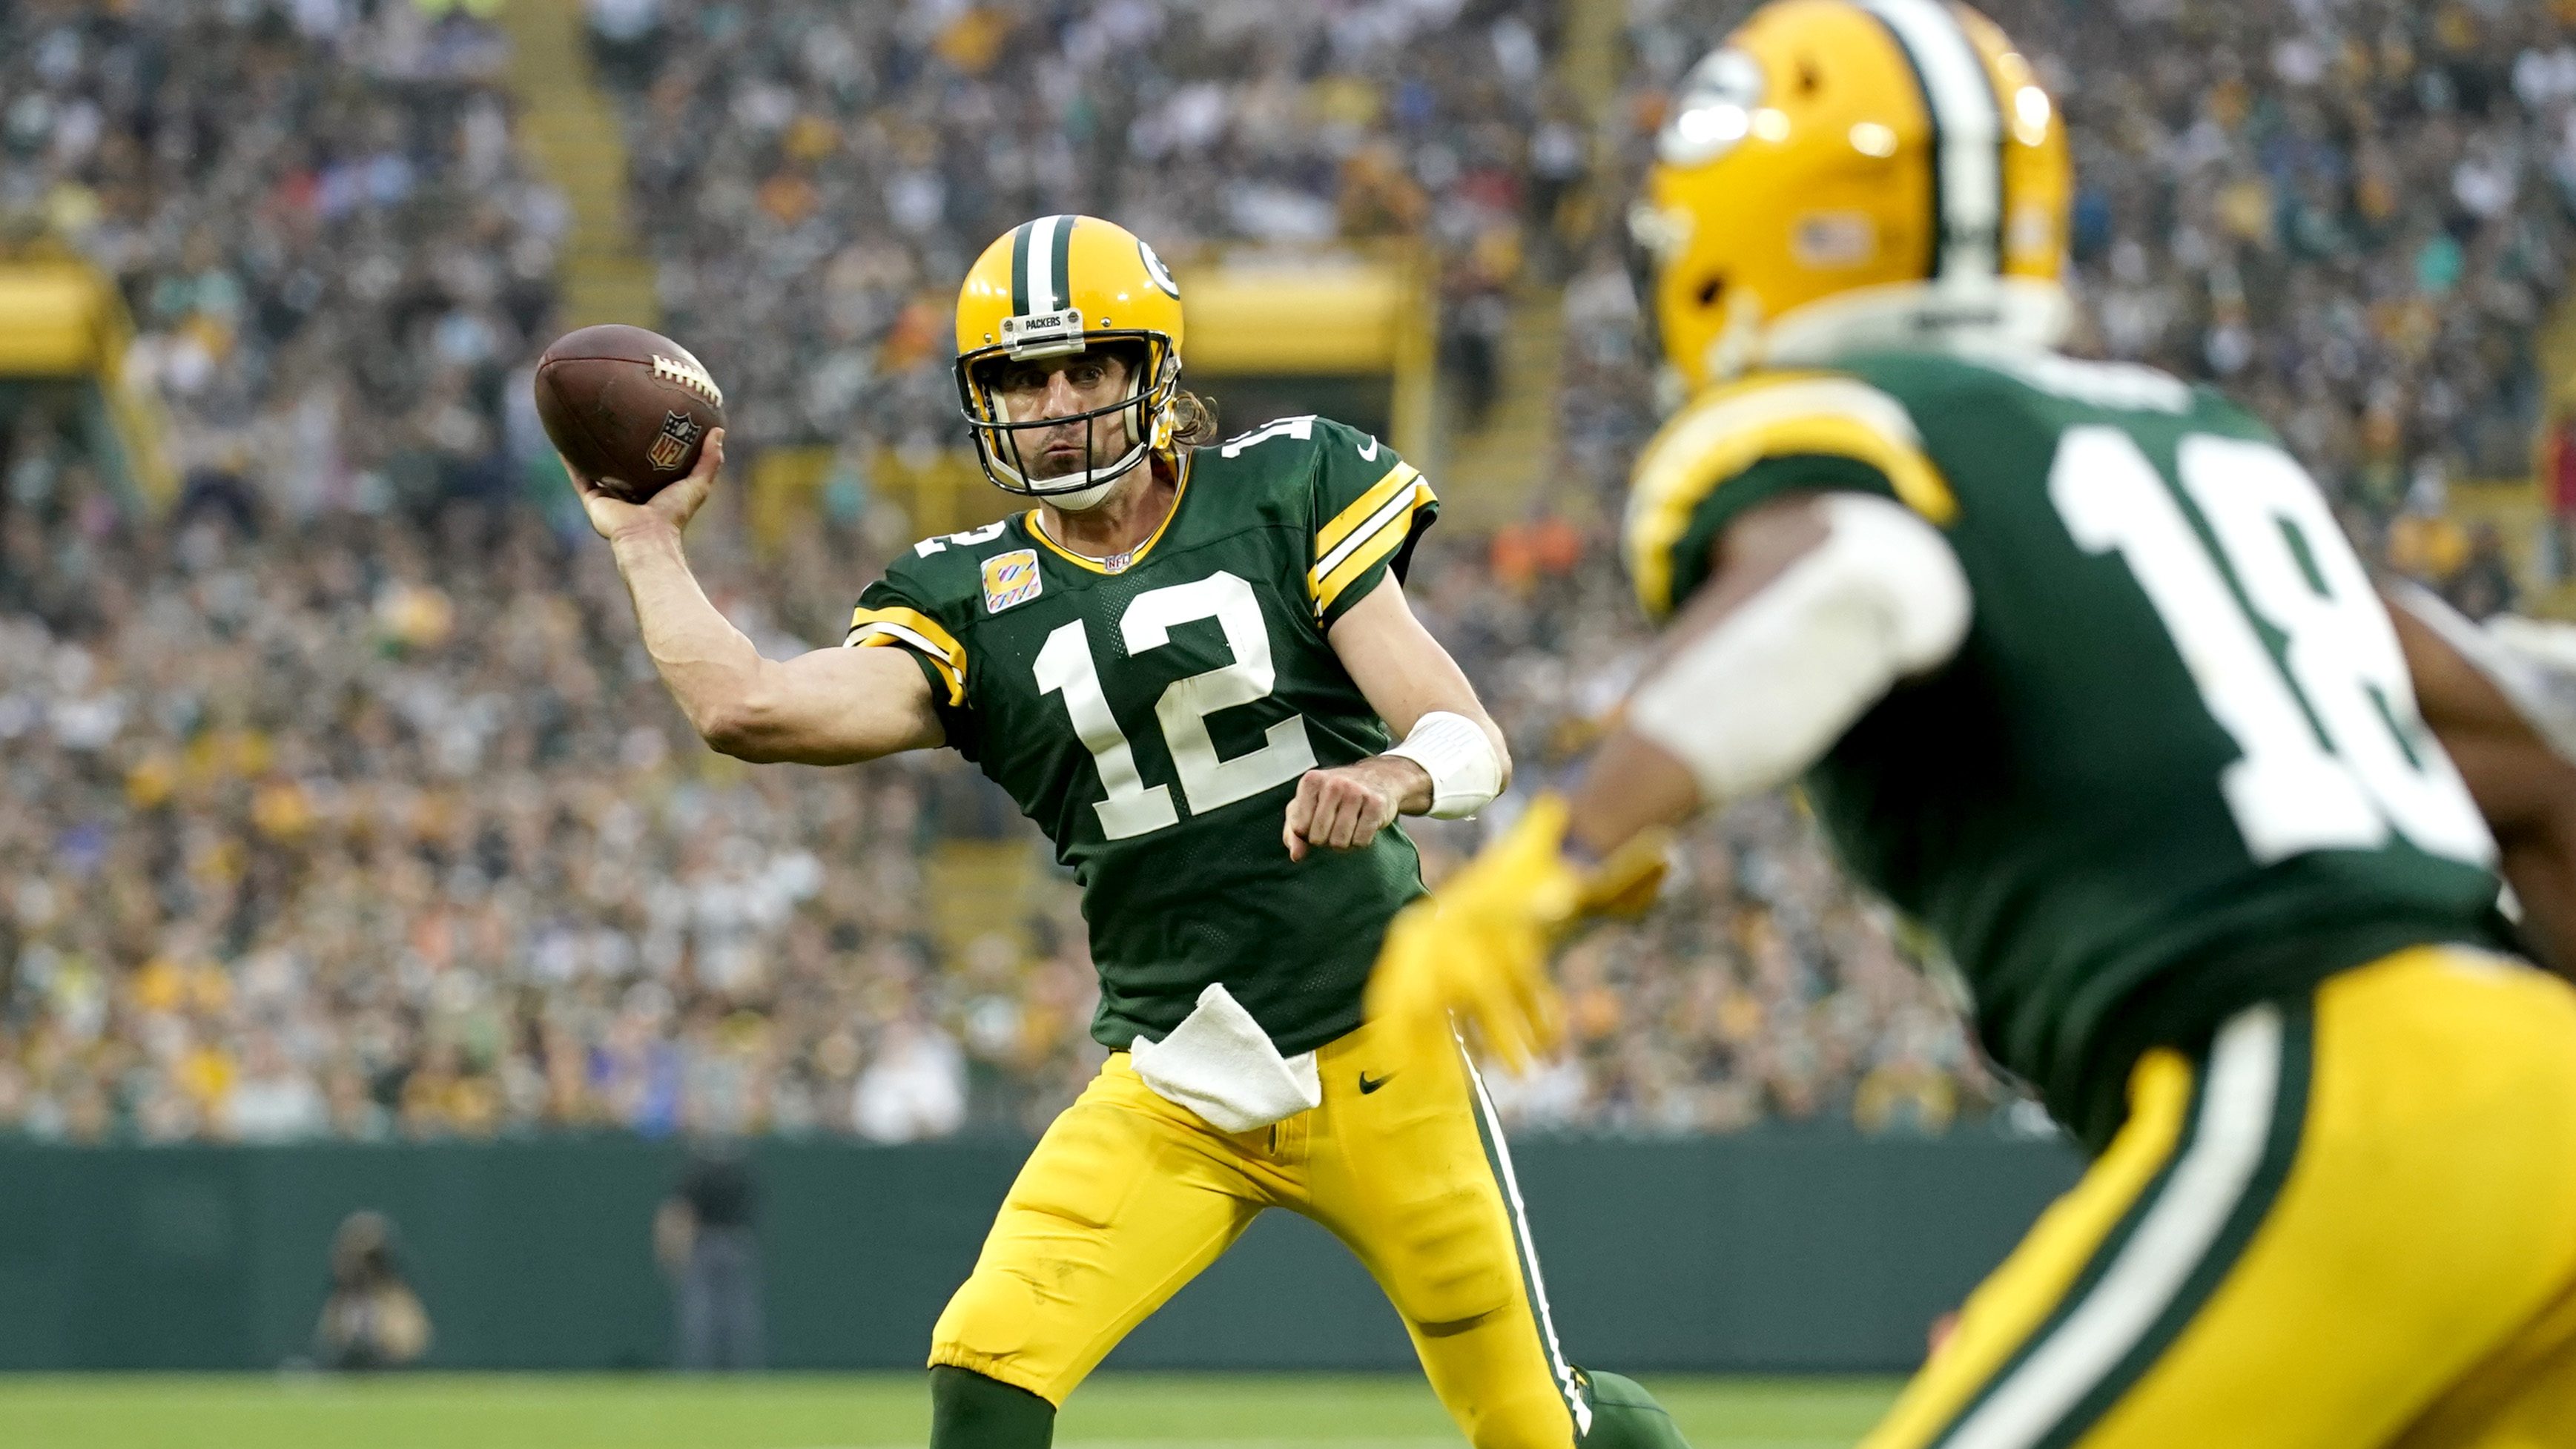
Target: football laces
column 688, row 374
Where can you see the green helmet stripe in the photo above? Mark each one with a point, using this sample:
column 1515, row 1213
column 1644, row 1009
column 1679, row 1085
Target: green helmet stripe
column 1020, row 269
column 1062, row 252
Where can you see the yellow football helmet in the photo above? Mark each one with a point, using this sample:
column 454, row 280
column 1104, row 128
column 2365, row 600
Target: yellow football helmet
column 1847, row 174
column 1055, row 286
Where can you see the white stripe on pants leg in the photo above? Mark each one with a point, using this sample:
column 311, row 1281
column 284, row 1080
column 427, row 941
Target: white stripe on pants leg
column 2241, row 1092
column 1528, row 1251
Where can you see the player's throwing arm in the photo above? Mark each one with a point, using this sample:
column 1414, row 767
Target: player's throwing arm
column 827, row 707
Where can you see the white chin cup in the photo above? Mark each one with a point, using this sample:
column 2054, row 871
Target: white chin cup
column 1086, row 488
column 1079, row 500
column 1748, row 704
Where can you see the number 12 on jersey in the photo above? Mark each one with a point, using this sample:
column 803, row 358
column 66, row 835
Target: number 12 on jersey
column 2376, row 765
column 1064, row 666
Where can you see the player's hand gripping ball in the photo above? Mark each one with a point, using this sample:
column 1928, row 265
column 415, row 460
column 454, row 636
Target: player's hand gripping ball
column 629, row 410
column 1476, row 951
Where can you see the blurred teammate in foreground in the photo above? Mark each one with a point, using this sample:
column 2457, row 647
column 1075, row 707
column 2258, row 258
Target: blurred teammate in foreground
column 1191, row 664
column 2080, row 673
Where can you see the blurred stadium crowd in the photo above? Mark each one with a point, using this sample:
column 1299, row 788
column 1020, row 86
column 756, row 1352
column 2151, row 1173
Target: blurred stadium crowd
column 340, row 799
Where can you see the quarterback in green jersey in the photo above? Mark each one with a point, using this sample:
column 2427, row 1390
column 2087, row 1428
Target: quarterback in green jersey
column 2078, row 671
column 1192, row 665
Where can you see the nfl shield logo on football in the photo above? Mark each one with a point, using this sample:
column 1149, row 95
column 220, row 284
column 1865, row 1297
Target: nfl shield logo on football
column 670, row 444
column 1011, row 578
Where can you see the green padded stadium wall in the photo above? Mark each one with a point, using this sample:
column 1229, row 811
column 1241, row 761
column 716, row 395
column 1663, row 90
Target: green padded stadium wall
column 1772, row 1250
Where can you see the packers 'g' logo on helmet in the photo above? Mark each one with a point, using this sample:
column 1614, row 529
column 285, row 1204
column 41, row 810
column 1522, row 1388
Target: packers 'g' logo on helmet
column 1854, row 173
column 1154, row 269
column 1052, row 287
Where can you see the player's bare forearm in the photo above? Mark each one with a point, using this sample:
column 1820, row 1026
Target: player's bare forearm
column 1632, row 785
column 1405, row 675
column 2524, row 787
column 2541, row 868
column 703, row 659
column 828, row 707
column 1403, row 672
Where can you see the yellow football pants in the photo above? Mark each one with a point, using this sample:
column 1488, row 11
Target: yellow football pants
column 1128, row 1197
column 2352, row 1225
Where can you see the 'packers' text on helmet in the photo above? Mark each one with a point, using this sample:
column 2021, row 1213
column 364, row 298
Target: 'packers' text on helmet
column 1052, row 287
column 1848, row 174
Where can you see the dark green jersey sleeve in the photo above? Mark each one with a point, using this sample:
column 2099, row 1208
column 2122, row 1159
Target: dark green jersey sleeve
column 1745, row 445
column 907, row 609
column 1370, row 508
column 1731, row 498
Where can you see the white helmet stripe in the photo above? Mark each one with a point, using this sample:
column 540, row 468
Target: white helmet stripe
column 1969, row 124
column 1045, row 235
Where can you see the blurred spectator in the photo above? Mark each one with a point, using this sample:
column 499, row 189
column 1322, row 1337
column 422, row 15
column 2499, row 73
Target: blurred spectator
column 915, row 1089
column 704, row 1239
column 2483, row 584
column 273, row 1100
column 2558, row 494
column 624, row 35
column 373, row 1319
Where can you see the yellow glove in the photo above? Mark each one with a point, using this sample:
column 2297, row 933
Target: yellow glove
column 1479, row 947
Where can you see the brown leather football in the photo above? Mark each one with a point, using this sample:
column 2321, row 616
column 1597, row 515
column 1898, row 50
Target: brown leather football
column 628, row 408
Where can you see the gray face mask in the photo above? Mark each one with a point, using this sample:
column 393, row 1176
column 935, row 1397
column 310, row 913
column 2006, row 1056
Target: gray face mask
column 997, row 435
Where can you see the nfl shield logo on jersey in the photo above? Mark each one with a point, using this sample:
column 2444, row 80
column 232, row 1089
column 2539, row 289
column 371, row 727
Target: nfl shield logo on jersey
column 1011, row 578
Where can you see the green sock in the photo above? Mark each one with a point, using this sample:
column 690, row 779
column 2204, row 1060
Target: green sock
column 970, row 1411
column 1625, row 1416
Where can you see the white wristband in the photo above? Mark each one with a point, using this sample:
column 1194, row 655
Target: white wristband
column 1459, row 756
column 1763, row 694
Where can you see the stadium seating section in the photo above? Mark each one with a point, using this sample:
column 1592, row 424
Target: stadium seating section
column 337, row 798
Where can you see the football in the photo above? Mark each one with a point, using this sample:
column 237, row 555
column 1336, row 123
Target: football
column 628, row 408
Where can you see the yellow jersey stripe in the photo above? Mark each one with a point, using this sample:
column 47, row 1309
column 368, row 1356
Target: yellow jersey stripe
column 1398, row 506
column 915, row 630
column 1770, row 417
column 1366, row 507
column 1384, row 533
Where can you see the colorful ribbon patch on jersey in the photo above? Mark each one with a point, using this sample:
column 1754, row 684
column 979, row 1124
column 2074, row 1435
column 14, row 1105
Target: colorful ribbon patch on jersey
column 1011, row 578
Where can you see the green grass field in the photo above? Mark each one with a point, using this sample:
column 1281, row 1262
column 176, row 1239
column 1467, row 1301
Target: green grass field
column 797, row 1411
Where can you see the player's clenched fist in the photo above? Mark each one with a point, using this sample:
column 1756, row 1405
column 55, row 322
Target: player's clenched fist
column 1344, row 808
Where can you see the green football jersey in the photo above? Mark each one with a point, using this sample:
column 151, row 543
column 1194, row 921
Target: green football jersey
column 2176, row 767
column 1154, row 720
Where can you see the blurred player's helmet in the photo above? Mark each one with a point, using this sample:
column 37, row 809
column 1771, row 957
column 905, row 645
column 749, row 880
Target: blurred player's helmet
column 1849, row 174
column 1052, row 287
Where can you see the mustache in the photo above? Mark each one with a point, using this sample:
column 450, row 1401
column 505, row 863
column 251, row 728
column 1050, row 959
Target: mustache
column 1069, row 447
